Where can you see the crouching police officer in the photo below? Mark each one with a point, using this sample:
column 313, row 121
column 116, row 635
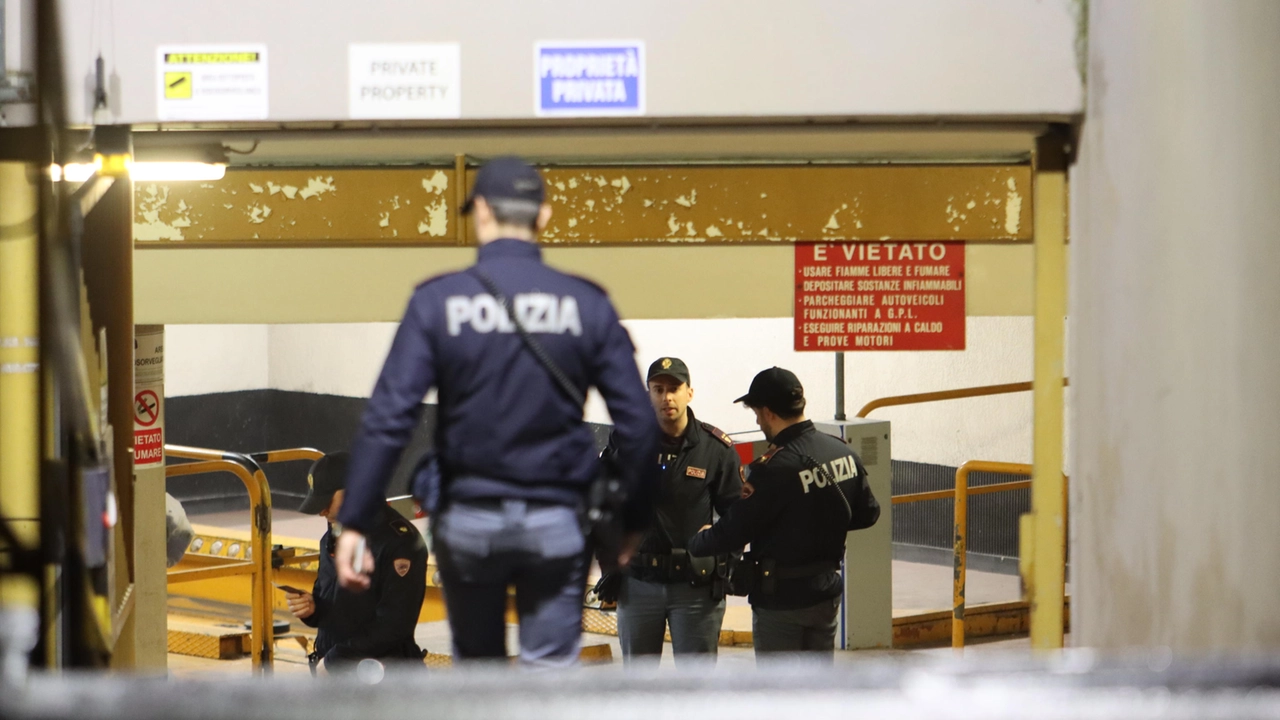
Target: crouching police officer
column 804, row 495
column 376, row 624
column 700, row 480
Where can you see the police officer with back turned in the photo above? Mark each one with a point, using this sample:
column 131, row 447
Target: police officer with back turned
column 803, row 495
column 700, row 480
column 515, row 456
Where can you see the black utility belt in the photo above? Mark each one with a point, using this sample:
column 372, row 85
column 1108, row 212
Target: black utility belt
column 675, row 566
column 759, row 576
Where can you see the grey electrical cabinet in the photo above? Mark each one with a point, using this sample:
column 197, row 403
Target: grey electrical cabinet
column 866, row 617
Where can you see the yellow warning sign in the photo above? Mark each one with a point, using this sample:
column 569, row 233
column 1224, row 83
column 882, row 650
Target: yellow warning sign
column 177, row 86
column 209, row 58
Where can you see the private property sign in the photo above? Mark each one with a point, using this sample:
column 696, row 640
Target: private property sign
column 879, row 296
column 583, row 79
column 404, row 80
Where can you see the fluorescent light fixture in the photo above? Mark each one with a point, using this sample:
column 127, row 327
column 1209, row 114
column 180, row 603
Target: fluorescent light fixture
column 144, row 171
column 73, row 172
column 176, row 171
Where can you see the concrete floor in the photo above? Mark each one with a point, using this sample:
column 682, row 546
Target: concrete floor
column 917, row 587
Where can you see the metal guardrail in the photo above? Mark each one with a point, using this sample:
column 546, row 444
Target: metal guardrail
column 290, row 455
column 286, row 455
column 961, row 494
column 258, row 567
column 979, row 391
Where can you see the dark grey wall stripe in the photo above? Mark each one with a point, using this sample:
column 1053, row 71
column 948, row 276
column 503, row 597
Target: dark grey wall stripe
column 255, row 420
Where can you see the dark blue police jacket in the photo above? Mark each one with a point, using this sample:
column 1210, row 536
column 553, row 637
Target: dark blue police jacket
column 505, row 429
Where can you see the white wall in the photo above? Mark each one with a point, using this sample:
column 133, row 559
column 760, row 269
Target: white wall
column 1176, row 329
column 719, row 58
column 202, row 359
column 330, row 359
column 723, row 356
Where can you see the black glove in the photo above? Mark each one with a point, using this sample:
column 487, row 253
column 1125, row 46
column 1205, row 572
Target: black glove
column 607, row 587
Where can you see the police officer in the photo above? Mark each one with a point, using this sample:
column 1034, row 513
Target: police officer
column 514, row 454
column 700, row 479
column 375, row 624
column 804, row 494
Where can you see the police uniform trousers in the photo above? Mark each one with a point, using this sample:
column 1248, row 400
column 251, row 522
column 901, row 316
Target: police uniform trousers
column 645, row 608
column 482, row 548
column 810, row 629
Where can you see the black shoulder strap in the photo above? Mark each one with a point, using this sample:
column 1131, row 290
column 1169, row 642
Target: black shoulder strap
column 566, row 385
column 821, row 469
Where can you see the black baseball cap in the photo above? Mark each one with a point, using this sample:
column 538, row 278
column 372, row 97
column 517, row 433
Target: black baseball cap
column 671, row 367
column 507, row 180
column 777, row 389
column 327, row 476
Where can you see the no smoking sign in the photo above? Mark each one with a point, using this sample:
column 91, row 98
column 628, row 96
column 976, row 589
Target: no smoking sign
column 146, row 408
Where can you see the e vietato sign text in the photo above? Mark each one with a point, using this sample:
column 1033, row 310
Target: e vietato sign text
column 879, row 296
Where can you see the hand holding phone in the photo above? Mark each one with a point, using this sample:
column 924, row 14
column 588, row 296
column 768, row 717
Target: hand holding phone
column 353, row 562
column 300, row 602
column 358, row 565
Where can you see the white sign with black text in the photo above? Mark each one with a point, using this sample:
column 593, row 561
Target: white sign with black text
column 402, row 81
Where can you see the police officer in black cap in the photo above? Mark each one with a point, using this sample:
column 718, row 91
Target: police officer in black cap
column 700, row 480
column 512, row 347
column 803, row 496
column 375, row 624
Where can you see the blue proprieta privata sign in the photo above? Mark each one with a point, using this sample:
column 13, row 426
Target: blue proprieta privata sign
column 589, row 78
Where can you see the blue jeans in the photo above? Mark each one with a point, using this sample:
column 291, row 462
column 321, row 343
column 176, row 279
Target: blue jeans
column 645, row 609
column 809, row 630
column 484, row 547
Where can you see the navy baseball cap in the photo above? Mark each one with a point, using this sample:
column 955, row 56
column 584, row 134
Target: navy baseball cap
column 507, row 180
column 777, row 389
column 671, row 367
column 327, row 476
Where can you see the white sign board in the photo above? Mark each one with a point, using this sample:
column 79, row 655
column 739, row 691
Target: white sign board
column 211, row 82
column 148, row 396
column 389, row 81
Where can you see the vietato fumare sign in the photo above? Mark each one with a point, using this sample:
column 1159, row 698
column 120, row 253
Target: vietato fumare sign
column 879, row 296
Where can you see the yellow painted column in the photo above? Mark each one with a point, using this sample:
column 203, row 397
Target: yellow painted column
column 1047, row 506
column 19, row 391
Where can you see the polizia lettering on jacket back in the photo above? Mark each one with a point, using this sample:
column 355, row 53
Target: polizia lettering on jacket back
column 537, row 312
column 840, row 469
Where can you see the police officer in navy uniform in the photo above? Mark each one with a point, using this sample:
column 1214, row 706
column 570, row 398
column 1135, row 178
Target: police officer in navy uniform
column 803, row 496
column 700, row 479
column 514, row 453
column 375, row 624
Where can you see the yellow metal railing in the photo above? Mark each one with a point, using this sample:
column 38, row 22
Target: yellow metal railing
column 961, row 495
column 289, row 455
column 957, row 394
column 1047, row 518
column 286, row 455
column 258, row 567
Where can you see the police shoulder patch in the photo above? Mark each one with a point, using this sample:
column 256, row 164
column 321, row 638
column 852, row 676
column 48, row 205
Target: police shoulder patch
column 773, row 450
column 402, row 566
column 717, row 433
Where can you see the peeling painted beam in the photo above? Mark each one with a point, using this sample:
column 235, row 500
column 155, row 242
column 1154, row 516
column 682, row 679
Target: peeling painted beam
column 598, row 205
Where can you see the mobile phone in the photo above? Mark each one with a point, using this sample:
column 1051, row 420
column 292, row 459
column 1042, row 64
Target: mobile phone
column 359, row 561
column 291, row 589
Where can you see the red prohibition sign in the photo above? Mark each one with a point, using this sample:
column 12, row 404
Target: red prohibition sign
column 146, row 408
